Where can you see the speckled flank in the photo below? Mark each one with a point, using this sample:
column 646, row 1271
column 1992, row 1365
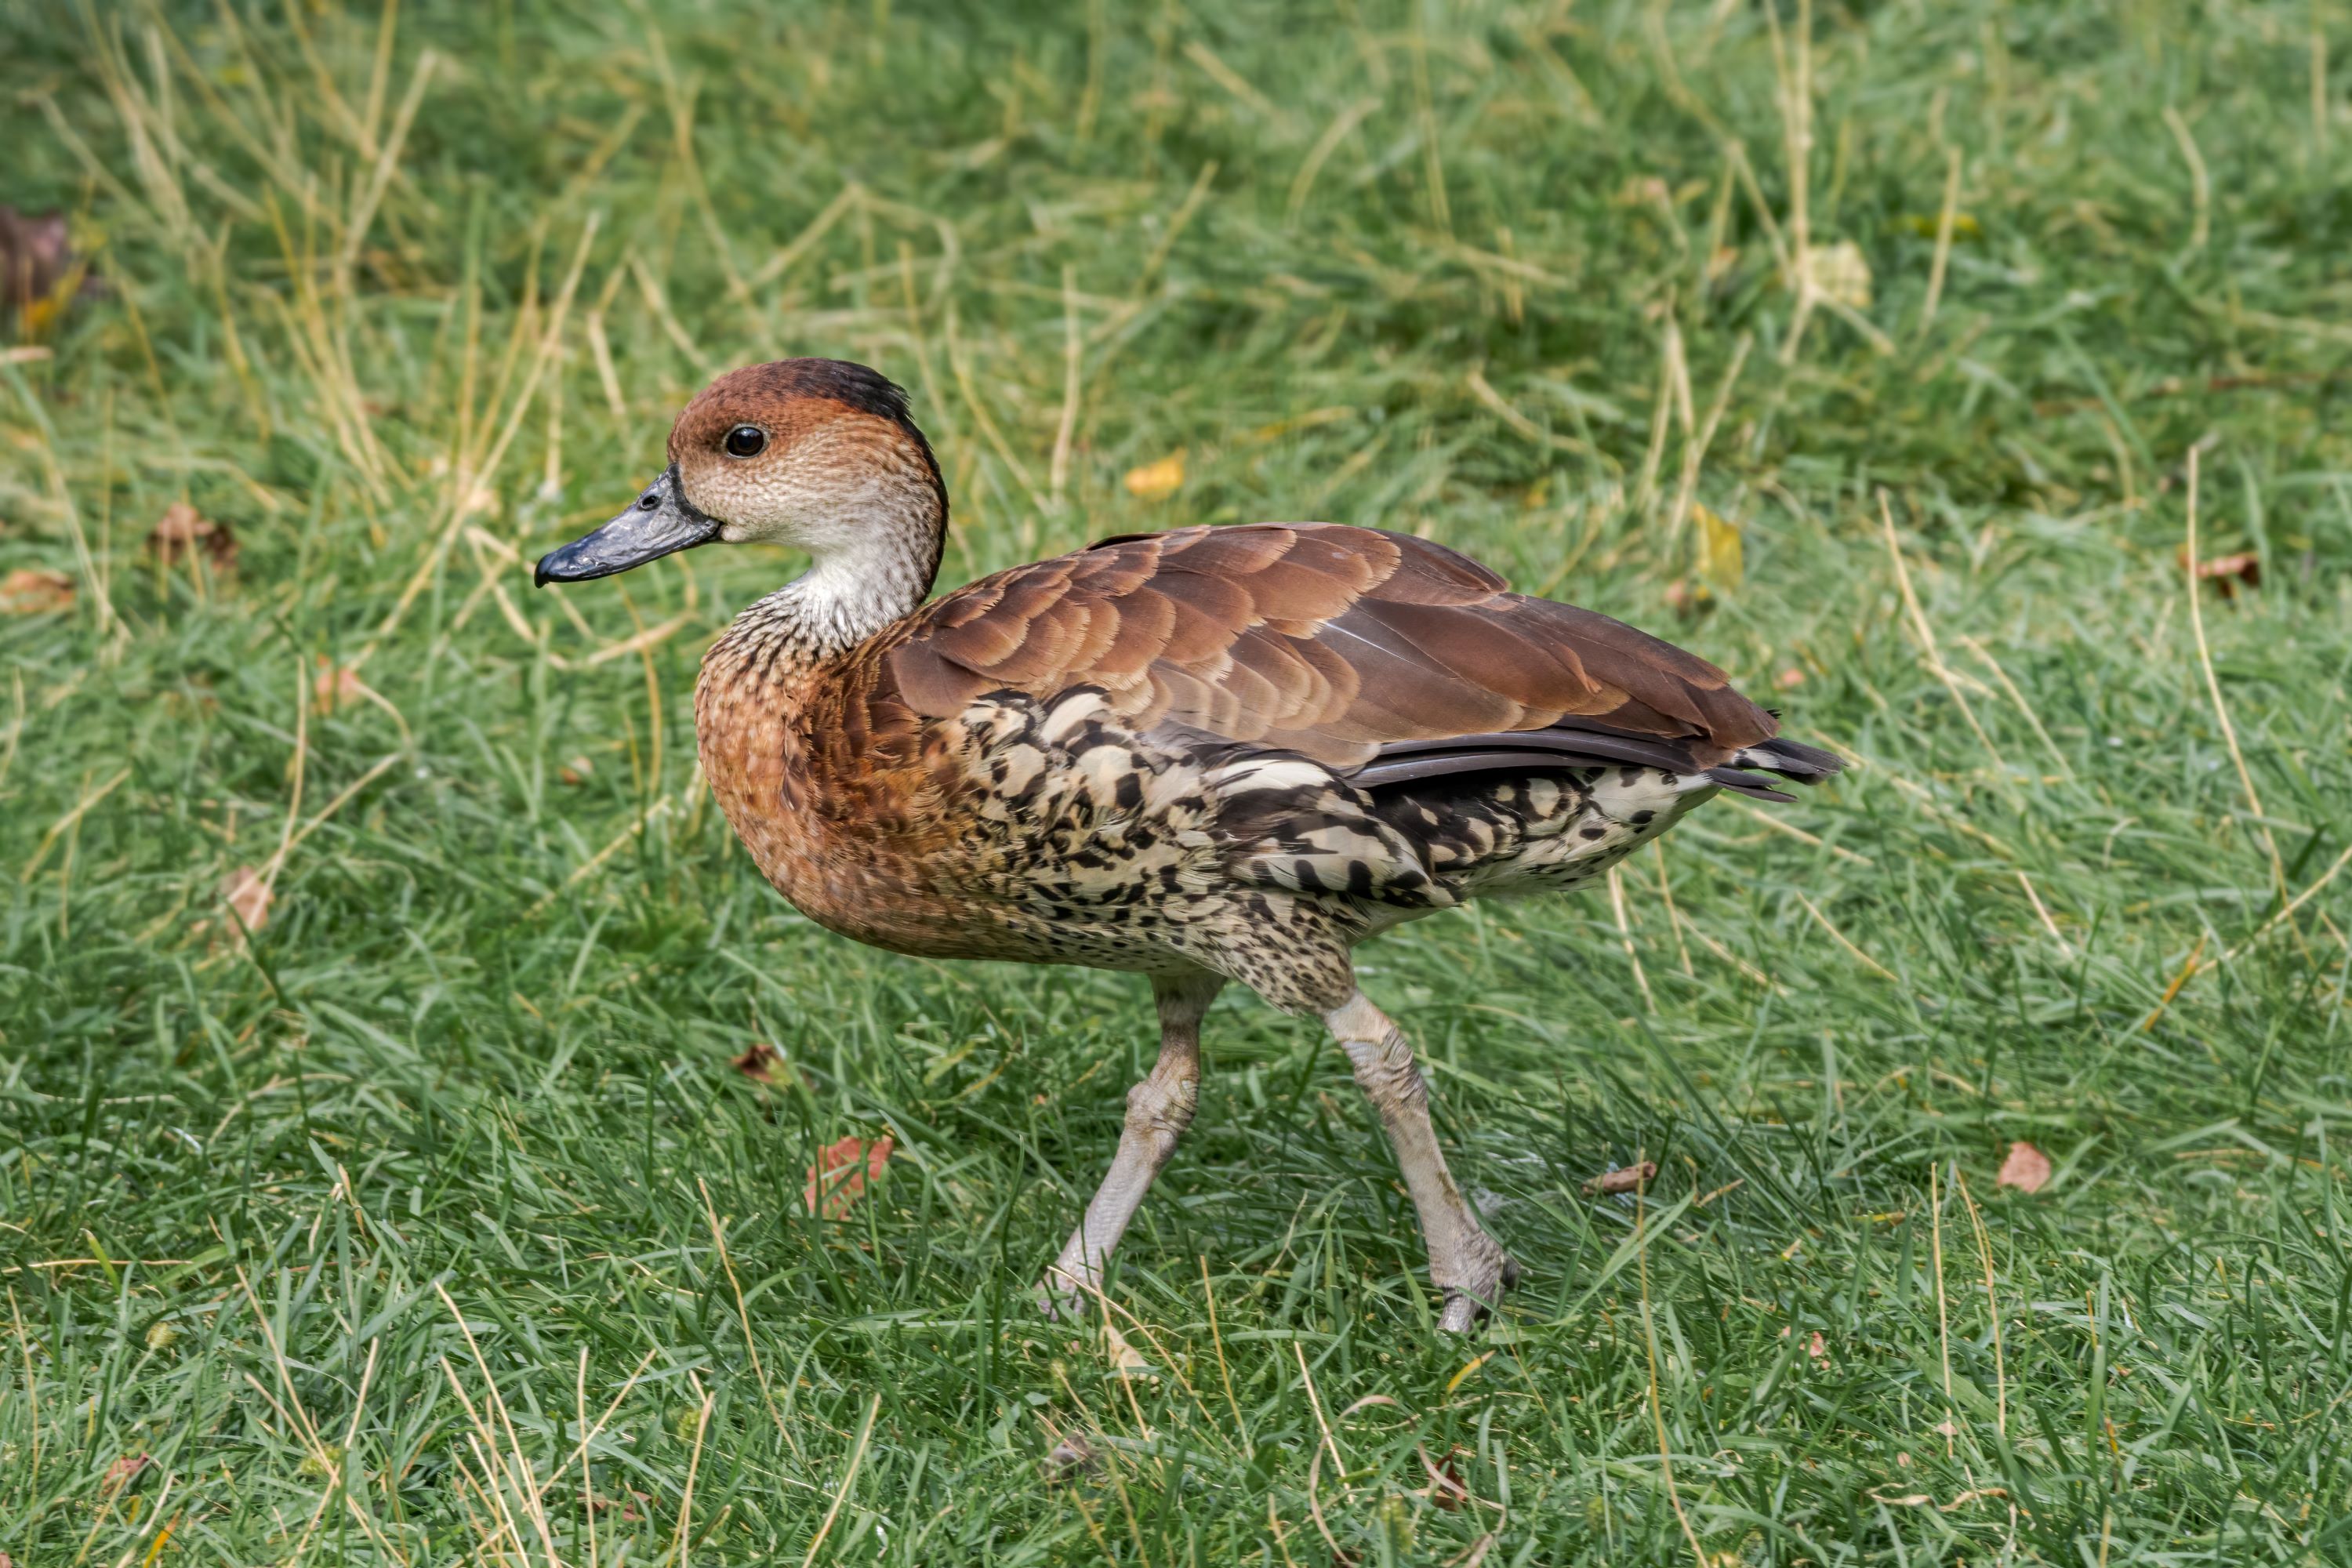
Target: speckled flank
column 1046, row 831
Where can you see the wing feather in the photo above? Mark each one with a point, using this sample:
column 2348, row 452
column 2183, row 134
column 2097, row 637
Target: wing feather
column 1345, row 643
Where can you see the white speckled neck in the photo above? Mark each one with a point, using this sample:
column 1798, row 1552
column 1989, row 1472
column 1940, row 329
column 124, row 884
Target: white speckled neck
column 845, row 597
column 860, row 582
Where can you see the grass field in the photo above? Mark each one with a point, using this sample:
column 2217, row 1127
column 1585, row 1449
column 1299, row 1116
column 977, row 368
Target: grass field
column 1866, row 351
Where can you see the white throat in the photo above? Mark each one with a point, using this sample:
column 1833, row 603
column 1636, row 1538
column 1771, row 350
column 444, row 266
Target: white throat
column 849, row 593
column 845, row 597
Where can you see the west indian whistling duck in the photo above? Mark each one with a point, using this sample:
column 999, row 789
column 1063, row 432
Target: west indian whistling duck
column 1213, row 754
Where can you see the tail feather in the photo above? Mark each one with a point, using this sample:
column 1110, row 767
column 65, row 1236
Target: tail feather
column 1791, row 760
column 1570, row 745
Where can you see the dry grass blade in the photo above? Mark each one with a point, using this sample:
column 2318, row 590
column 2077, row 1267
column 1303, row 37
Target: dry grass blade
column 1657, row 1407
column 1625, row 938
column 684, row 1538
column 743, row 1318
column 1946, row 216
column 1789, row 830
column 2285, row 913
column 1840, row 937
column 2213, row 690
column 1993, row 1302
column 849, row 1479
column 1928, row 652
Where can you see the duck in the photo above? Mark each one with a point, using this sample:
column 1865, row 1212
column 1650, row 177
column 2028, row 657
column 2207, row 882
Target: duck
column 1211, row 756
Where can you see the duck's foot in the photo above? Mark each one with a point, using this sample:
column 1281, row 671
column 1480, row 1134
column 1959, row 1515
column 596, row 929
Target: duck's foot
column 1475, row 1284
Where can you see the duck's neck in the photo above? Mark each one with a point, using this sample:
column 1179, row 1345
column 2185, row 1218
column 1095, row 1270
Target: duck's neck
column 875, row 574
column 843, row 599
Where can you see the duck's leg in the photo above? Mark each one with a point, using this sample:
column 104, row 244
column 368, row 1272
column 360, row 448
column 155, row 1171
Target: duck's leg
column 1157, row 1111
column 1464, row 1262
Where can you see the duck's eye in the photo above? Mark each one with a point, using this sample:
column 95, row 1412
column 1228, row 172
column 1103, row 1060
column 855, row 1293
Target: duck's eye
column 746, row 441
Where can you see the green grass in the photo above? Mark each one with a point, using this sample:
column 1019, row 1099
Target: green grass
column 345, row 1228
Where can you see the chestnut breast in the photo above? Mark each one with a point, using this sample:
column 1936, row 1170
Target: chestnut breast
column 849, row 831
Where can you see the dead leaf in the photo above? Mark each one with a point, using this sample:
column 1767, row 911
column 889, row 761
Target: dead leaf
column 36, row 591
column 1689, row 599
column 338, row 686
column 1819, row 1350
column 2026, row 1169
column 40, row 274
column 1156, row 481
column 1445, row 1488
column 1927, row 225
column 119, row 1473
column 2226, row 571
column 1789, row 678
column 838, row 1175
column 183, row 531
column 576, row 771
column 1072, row 1453
column 628, row 1506
column 1719, row 555
column 764, row 1064
column 1126, row 1361
column 1625, row 1181
column 1840, row 272
column 248, row 895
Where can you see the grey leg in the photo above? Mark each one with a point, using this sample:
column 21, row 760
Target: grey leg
column 1157, row 1111
column 1464, row 1261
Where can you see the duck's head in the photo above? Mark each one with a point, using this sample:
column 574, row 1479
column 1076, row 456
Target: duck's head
column 819, row 454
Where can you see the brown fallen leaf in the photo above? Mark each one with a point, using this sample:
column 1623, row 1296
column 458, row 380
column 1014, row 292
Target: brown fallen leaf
column 842, row 1171
column 2026, row 1169
column 1445, row 1488
column 629, row 1505
column 1072, row 1454
column 764, row 1064
column 39, row 272
column 1624, row 1180
column 1689, row 598
column 1126, row 1361
column 2226, row 571
column 576, row 771
column 119, row 1473
column 248, row 895
column 337, row 685
column 183, row 531
column 36, row 591
column 1642, row 191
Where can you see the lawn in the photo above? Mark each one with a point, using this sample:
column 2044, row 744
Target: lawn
column 380, row 1176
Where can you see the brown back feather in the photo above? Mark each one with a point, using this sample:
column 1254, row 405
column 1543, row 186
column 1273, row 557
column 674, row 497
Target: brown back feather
column 1317, row 638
